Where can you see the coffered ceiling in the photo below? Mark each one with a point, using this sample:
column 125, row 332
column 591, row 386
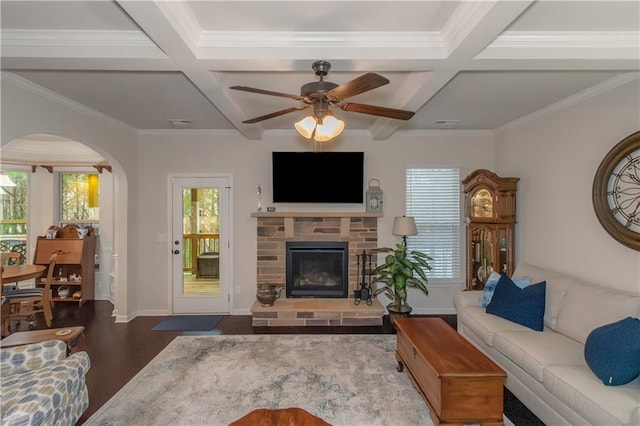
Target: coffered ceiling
column 472, row 64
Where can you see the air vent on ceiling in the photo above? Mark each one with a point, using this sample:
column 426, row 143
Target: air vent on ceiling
column 179, row 123
column 448, row 124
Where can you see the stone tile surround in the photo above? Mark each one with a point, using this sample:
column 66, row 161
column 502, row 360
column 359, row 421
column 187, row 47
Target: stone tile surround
column 359, row 229
column 316, row 312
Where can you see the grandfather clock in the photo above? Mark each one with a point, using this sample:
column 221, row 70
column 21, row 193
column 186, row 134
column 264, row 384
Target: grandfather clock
column 490, row 202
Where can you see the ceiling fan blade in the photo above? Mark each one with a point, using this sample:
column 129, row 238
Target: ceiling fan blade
column 274, row 114
column 398, row 114
column 364, row 83
column 267, row 92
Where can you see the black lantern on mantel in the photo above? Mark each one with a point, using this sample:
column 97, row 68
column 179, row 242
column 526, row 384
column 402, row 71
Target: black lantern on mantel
column 374, row 197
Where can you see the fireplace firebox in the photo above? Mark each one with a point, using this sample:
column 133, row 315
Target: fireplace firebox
column 317, row 269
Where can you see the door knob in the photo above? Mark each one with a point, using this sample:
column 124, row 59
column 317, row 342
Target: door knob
column 176, row 252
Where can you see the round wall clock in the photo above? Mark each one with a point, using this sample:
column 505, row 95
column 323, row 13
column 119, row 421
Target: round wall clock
column 616, row 192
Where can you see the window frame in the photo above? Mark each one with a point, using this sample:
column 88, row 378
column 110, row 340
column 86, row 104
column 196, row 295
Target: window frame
column 23, row 237
column 58, row 201
column 454, row 280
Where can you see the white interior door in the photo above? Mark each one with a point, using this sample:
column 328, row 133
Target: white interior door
column 200, row 245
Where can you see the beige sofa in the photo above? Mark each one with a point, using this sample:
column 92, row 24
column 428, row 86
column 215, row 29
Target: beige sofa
column 547, row 370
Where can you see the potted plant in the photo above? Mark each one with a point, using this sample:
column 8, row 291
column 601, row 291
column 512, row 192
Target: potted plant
column 401, row 269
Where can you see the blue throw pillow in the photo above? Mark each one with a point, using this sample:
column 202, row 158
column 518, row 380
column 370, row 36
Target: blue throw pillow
column 490, row 286
column 612, row 351
column 524, row 306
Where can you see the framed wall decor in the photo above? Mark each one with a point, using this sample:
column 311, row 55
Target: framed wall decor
column 616, row 192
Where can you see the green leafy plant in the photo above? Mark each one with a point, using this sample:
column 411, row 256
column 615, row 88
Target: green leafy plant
column 401, row 269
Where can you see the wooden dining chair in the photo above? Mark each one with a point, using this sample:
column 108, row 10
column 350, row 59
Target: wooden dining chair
column 27, row 302
column 10, row 258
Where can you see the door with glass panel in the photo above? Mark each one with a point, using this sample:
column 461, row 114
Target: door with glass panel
column 200, row 245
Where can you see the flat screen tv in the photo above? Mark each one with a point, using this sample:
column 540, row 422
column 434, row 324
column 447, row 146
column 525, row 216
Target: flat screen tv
column 318, row 177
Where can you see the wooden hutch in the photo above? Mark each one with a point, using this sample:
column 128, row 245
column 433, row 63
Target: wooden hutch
column 75, row 266
column 490, row 203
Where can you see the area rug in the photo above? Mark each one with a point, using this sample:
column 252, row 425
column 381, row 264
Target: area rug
column 214, row 380
column 188, row 323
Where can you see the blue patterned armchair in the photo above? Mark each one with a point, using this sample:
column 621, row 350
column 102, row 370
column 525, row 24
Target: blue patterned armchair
column 41, row 385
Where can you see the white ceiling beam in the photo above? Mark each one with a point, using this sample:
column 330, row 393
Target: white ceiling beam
column 475, row 25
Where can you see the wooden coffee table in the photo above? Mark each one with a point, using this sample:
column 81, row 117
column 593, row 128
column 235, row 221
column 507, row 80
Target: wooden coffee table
column 19, row 338
column 460, row 384
column 280, row 417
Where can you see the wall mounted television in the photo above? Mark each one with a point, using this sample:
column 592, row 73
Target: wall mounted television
column 318, row 177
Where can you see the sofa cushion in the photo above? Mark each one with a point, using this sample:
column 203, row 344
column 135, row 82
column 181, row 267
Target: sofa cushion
column 485, row 326
column 524, row 306
column 532, row 351
column 557, row 286
column 490, row 286
column 587, row 307
column 579, row 389
column 612, row 351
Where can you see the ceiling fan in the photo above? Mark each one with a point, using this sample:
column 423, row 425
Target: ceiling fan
column 320, row 95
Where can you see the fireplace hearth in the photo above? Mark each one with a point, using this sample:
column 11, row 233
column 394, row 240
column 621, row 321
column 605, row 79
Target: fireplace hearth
column 317, row 269
column 274, row 229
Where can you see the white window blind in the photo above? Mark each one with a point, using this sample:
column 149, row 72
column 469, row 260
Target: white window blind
column 433, row 199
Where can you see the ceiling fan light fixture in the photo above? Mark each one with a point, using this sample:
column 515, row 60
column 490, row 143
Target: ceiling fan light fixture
column 306, row 126
column 329, row 129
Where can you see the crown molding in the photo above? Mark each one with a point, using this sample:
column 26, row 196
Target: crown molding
column 564, row 44
column 78, row 44
column 423, row 44
column 188, row 132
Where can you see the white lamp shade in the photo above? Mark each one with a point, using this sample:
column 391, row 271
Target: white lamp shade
column 305, row 126
column 403, row 226
column 6, row 181
column 329, row 129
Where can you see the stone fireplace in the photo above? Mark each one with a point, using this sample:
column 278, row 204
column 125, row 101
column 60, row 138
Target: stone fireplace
column 353, row 231
column 317, row 268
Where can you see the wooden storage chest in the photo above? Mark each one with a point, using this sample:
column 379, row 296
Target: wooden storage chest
column 460, row 384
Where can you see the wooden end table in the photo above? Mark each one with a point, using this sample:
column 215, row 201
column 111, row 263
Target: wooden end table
column 460, row 384
column 35, row 336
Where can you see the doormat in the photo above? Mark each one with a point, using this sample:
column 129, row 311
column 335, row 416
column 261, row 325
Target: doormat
column 188, row 323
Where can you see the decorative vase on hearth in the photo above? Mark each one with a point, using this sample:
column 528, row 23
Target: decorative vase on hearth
column 268, row 293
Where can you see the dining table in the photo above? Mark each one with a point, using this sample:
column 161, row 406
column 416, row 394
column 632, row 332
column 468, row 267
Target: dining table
column 16, row 273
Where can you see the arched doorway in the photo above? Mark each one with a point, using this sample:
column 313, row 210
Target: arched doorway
column 48, row 159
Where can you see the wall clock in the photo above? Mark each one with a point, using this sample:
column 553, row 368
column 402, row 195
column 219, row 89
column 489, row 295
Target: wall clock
column 616, row 192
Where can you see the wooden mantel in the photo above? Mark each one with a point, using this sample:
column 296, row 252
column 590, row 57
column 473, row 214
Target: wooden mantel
column 315, row 214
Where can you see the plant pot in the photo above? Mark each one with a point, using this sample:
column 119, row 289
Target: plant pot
column 395, row 313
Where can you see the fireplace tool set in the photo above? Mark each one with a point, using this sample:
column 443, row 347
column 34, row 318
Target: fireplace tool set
column 364, row 293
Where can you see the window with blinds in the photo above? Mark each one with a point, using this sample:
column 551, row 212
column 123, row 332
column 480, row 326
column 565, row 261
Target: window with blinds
column 433, row 199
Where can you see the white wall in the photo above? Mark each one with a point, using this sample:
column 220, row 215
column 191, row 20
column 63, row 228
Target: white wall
column 249, row 162
column 28, row 109
column 556, row 157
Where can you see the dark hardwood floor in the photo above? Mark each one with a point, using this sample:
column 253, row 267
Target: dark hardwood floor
column 119, row 351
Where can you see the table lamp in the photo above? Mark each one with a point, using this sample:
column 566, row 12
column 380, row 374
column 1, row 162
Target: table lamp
column 404, row 226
